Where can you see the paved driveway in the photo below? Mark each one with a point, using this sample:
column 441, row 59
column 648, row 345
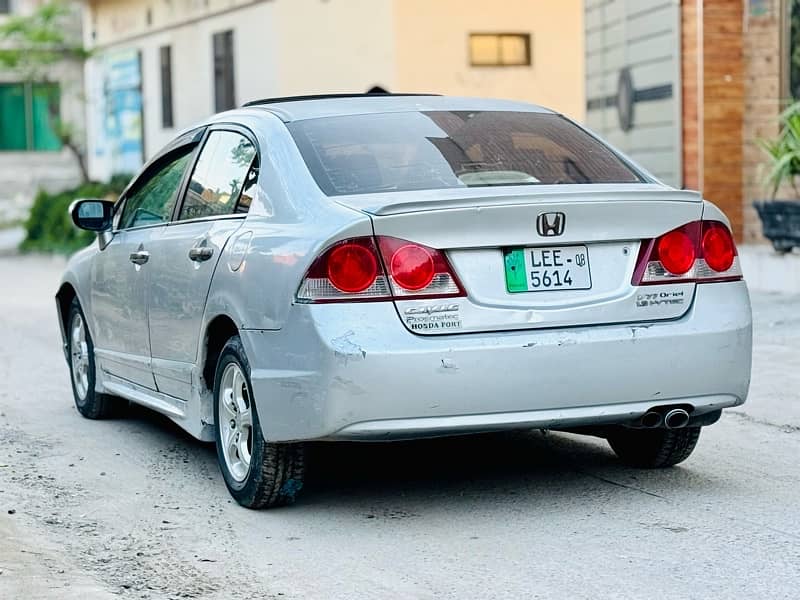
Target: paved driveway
column 134, row 508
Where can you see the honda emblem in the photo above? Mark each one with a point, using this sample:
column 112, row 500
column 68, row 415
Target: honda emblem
column 551, row 224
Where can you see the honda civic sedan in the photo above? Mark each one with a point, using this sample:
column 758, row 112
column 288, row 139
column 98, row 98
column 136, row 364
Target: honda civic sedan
column 384, row 267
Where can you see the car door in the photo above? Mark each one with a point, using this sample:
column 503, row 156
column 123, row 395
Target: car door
column 185, row 253
column 121, row 271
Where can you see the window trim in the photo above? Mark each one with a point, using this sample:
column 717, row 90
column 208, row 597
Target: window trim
column 233, row 128
column 526, row 36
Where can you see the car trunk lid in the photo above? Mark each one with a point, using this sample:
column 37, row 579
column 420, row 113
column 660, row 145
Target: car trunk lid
column 497, row 252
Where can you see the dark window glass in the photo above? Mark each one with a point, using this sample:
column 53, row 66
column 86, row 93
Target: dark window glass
column 219, row 176
column 5, row 7
column 152, row 198
column 499, row 49
column 224, row 95
column 165, row 53
column 29, row 116
column 360, row 154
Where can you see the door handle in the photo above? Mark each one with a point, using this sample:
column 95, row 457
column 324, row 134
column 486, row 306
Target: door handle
column 140, row 257
column 201, row 253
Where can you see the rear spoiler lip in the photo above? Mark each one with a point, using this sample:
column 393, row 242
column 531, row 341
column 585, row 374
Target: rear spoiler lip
column 393, row 203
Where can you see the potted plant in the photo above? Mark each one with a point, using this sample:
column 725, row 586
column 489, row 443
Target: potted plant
column 780, row 219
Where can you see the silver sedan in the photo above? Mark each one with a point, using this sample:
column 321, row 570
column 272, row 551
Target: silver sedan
column 386, row 267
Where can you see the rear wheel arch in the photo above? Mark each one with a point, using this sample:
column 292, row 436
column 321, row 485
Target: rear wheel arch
column 219, row 330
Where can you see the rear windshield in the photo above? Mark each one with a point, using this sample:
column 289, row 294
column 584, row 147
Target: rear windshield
column 362, row 154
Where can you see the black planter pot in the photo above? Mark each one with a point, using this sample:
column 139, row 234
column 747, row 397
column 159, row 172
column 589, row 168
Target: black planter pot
column 780, row 221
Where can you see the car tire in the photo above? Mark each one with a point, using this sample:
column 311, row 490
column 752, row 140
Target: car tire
column 654, row 448
column 258, row 474
column 82, row 373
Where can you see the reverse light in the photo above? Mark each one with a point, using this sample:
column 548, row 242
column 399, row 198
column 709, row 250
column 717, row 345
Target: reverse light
column 700, row 251
column 355, row 270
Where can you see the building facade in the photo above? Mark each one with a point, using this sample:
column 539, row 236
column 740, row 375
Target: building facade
column 159, row 66
column 31, row 153
column 689, row 87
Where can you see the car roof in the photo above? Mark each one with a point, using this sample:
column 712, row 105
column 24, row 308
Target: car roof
column 299, row 108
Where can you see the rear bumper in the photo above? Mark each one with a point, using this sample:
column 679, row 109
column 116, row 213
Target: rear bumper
column 343, row 371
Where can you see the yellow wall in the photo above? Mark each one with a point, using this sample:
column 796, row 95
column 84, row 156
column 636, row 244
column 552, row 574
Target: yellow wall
column 431, row 49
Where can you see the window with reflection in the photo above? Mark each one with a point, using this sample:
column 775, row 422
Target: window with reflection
column 151, row 200
column 223, row 177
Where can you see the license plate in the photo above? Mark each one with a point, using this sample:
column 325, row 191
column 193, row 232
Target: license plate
column 547, row 269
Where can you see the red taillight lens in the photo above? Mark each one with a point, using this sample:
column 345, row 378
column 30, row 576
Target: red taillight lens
column 418, row 271
column 411, row 267
column 352, row 267
column 348, row 270
column 718, row 247
column 676, row 251
column 353, row 270
column 700, row 251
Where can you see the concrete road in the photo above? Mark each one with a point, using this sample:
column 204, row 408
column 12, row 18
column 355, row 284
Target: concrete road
column 134, row 508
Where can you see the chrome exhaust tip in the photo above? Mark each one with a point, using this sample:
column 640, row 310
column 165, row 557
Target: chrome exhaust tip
column 676, row 418
column 651, row 419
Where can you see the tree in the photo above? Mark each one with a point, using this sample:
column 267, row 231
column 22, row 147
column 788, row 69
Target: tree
column 30, row 45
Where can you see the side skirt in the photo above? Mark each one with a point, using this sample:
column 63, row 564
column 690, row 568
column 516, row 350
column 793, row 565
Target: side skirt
column 179, row 411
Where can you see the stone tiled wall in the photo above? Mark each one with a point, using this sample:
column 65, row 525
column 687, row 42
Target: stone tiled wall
column 763, row 104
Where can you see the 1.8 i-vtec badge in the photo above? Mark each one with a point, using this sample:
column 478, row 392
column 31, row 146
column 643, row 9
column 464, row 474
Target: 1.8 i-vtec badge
column 432, row 316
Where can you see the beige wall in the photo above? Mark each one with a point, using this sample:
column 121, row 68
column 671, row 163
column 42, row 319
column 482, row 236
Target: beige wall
column 286, row 47
column 281, row 47
column 431, row 42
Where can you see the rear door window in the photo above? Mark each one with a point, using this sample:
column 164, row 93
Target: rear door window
column 222, row 178
column 360, row 154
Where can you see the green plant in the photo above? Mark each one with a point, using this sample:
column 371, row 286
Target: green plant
column 784, row 152
column 49, row 227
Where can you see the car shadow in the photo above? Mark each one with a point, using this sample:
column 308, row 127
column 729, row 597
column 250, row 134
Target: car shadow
column 507, row 465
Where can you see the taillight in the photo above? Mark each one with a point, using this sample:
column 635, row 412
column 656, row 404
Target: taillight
column 700, row 251
column 417, row 270
column 356, row 270
column 348, row 270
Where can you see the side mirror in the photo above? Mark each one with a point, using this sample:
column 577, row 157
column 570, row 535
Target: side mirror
column 93, row 215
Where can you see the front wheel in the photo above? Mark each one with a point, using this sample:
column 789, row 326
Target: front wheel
column 80, row 348
column 258, row 474
column 654, row 448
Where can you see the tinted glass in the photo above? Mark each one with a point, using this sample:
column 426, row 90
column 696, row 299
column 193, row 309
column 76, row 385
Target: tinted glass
column 360, row 154
column 152, row 199
column 219, row 176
